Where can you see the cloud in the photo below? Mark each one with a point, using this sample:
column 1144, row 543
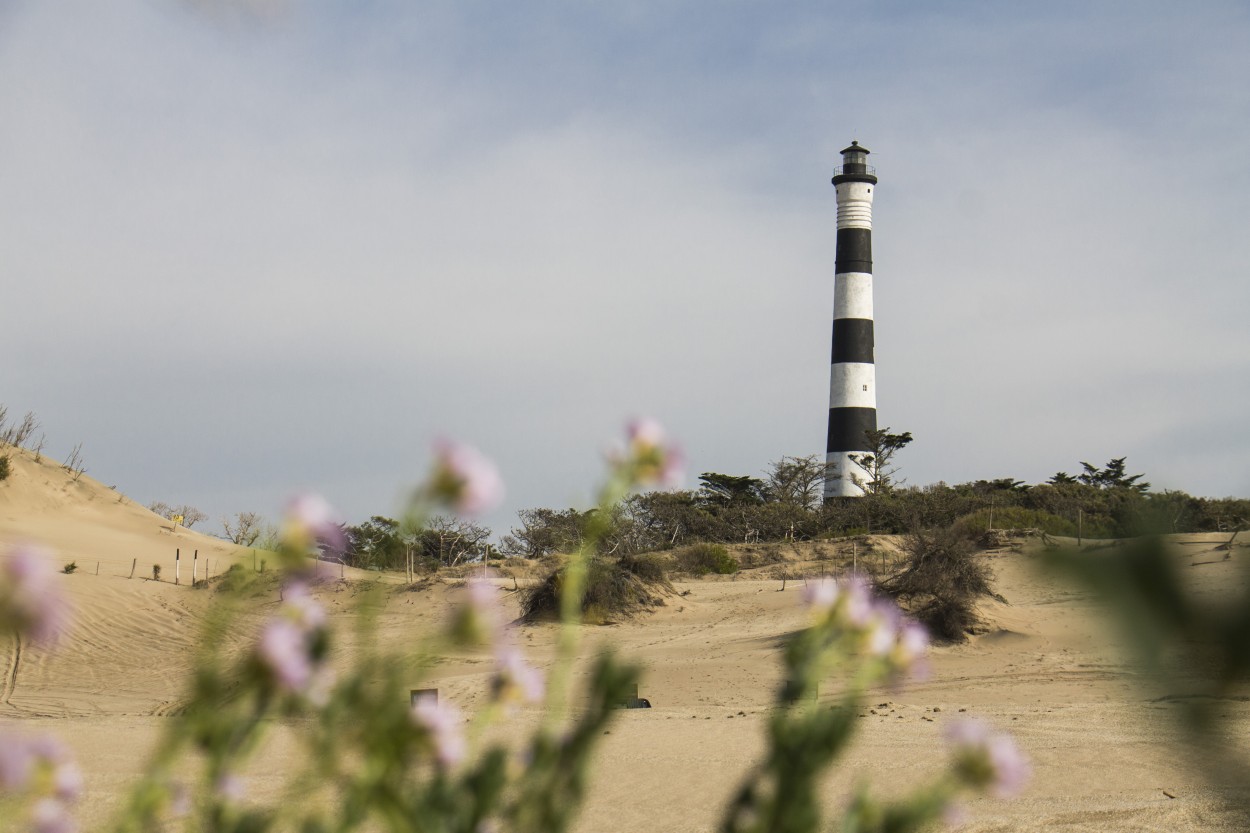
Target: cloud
column 261, row 257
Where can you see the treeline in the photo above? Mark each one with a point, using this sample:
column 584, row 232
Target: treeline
column 785, row 504
column 1102, row 502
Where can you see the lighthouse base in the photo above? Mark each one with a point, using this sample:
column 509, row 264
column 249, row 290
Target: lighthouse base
column 843, row 476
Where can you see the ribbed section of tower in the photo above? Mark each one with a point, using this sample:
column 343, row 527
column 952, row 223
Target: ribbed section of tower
column 852, row 377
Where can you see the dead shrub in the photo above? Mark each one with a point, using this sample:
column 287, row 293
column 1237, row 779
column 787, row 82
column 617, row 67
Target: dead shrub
column 941, row 582
column 616, row 588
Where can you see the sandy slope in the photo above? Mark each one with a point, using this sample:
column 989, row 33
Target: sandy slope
column 1106, row 755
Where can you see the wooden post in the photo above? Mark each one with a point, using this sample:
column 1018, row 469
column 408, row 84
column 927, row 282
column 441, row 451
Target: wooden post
column 195, row 565
column 133, row 563
column 97, row 568
column 854, row 557
column 1080, row 518
column 253, row 561
column 177, row 566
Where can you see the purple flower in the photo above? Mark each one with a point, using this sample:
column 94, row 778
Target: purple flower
column 300, row 607
column 652, row 459
column 444, row 724
column 859, row 607
column 514, row 675
column 179, row 799
column 229, row 788
column 988, row 760
column 283, row 651
column 30, row 602
column 16, row 761
column 882, row 627
column 310, row 520
column 820, row 594
column 464, row 479
column 51, row 816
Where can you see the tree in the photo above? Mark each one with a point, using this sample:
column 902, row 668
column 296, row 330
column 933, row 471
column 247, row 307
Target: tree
column 544, row 531
column 377, row 542
column 452, row 540
column 243, row 529
column 1111, row 477
column 1061, row 478
column 882, row 446
column 796, row 481
column 726, row 489
column 189, row 514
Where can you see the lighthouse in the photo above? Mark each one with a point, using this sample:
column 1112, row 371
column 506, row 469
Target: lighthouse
column 852, row 378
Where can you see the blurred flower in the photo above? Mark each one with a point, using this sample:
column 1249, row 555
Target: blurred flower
column 30, row 601
column 300, row 607
column 41, row 764
column 515, row 677
column 444, row 724
column 285, row 647
column 651, row 459
column 229, row 787
column 16, row 762
column 987, row 760
column 464, row 479
column 882, row 627
column 820, row 594
column 311, row 521
column 283, row 650
column 179, row 799
column 51, row 816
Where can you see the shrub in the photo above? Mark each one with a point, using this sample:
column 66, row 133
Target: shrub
column 70, row 567
column 5, row 468
column 613, row 590
column 701, row 559
column 941, row 582
column 648, row 567
column 1016, row 517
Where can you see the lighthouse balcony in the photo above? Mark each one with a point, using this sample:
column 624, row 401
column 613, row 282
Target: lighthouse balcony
column 855, row 169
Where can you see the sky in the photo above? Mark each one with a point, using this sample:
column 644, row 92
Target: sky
column 252, row 250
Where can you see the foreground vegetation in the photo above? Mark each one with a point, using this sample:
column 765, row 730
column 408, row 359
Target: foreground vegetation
column 373, row 760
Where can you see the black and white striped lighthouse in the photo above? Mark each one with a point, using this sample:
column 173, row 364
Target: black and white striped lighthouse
column 852, row 379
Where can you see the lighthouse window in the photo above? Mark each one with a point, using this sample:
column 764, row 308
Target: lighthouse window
column 865, row 387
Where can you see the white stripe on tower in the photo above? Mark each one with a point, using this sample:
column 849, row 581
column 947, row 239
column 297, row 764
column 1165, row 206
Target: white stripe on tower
column 852, row 377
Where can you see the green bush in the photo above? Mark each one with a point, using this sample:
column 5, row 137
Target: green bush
column 1015, row 517
column 5, row 468
column 701, row 559
column 70, row 567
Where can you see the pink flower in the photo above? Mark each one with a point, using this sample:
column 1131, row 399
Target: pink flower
column 820, row 594
column 652, row 458
column 310, row 520
column 464, row 479
column 444, row 724
column 985, row 759
column 51, row 816
column 514, row 675
column 300, row 607
column 229, row 788
column 283, row 651
column 17, row 760
column 30, row 601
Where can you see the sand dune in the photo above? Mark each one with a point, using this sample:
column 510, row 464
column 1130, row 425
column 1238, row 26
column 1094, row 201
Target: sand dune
column 1105, row 752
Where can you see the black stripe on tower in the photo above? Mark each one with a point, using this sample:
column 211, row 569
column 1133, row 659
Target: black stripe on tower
column 854, row 252
column 852, row 340
column 849, row 427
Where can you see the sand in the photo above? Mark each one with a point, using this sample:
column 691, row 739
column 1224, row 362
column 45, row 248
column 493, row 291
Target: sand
column 1106, row 754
